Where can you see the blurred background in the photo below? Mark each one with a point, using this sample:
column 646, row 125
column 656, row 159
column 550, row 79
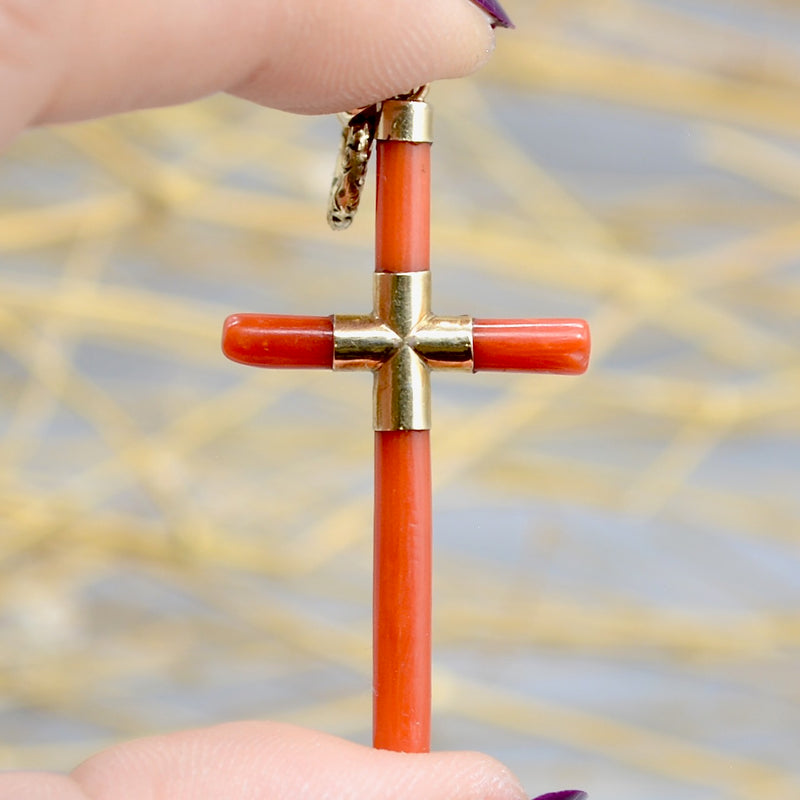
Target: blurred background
column 617, row 578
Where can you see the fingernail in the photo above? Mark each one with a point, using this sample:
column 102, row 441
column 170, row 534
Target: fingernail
column 566, row 794
column 499, row 17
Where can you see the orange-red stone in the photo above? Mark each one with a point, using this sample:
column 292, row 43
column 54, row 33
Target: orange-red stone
column 558, row 346
column 402, row 209
column 269, row 340
column 402, row 592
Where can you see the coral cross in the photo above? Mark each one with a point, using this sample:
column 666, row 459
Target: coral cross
column 401, row 341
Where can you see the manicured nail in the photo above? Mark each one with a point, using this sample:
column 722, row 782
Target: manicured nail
column 566, row 794
column 498, row 15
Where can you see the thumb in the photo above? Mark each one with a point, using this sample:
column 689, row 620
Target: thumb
column 257, row 760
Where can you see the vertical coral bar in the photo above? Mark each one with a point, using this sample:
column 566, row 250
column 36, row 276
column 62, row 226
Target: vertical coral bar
column 402, row 224
column 402, row 571
column 402, row 598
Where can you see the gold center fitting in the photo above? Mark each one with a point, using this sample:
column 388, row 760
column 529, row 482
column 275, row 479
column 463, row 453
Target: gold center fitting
column 401, row 341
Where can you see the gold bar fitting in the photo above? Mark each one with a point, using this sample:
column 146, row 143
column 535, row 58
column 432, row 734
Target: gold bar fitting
column 362, row 342
column 401, row 341
column 405, row 121
column 402, row 393
column 402, row 299
column 445, row 343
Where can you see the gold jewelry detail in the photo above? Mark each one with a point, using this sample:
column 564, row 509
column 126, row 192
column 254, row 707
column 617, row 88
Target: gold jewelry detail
column 408, row 119
column 401, row 341
column 358, row 137
column 405, row 121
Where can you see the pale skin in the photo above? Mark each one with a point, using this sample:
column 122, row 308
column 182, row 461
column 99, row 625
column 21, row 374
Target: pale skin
column 68, row 60
column 65, row 60
column 265, row 761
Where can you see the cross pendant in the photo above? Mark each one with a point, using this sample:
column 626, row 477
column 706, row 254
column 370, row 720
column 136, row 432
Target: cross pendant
column 401, row 341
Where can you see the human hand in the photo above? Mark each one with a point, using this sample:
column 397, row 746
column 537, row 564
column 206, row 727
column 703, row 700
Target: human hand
column 64, row 60
column 266, row 761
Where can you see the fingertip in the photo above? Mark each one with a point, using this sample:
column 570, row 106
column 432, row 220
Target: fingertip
column 476, row 776
column 306, row 56
column 466, row 35
column 378, row 51
column 283, row 762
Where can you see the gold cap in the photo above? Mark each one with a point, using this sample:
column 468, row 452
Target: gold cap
column 405, row 121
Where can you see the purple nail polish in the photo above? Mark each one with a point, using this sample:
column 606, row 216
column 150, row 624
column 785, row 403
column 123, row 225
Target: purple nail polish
column 566, row 794
column 499, row 18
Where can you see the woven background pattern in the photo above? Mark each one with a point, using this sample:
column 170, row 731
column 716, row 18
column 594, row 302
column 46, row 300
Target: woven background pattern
column 617, row 579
